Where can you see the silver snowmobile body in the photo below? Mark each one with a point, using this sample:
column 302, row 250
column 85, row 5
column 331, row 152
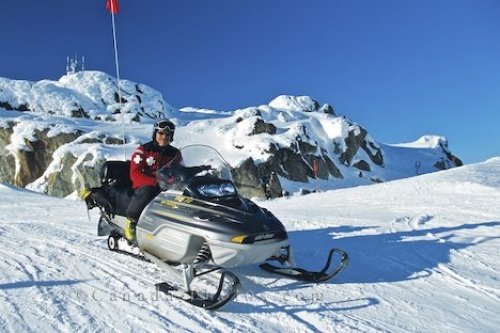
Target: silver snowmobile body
column 174, row 227
column 199, row 224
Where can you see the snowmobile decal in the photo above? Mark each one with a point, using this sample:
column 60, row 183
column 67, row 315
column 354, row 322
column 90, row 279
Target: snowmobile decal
column 169, row 203
column 184, row 199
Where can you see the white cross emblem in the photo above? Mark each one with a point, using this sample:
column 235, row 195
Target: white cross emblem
column 137, row 159
column 150, row 160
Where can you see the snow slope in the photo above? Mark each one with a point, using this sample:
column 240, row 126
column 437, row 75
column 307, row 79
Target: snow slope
column 424, row 258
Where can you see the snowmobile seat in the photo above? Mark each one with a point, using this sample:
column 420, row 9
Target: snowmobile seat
column 116, row 172
column 116, row 191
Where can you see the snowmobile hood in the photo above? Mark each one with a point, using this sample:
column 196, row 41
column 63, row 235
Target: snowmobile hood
column 243, row 223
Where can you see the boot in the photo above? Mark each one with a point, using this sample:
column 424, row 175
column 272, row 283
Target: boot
column 129, row 231
column 85, row 194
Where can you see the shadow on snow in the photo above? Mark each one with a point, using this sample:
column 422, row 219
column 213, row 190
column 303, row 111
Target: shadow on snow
column 387, row 257
column 377, row 258
column 28, row 284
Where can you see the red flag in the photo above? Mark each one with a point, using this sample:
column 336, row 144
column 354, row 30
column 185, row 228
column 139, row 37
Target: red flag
column 112, row 6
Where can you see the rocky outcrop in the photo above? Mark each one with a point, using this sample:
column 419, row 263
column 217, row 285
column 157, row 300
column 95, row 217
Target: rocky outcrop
column 362, row 165
column 290, row 141
column 298, row 163
column 248, row 179
column 7, row 161
column 7, row 106
column 373, row 151
column 84, row 94
column 73, row 175
column 59, row 183
column 260, row 126
column 33, row 161
column 450, row 161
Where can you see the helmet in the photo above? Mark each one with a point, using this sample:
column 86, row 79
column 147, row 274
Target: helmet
column 164, row 125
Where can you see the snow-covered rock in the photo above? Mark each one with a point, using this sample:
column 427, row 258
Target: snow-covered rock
column 294, row 103
column 290, row 144
column 87, row 94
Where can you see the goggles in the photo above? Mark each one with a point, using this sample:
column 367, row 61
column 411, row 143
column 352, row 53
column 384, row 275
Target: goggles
column 164, row 126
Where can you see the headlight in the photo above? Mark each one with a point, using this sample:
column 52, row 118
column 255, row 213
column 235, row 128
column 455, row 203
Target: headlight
column 225, row 189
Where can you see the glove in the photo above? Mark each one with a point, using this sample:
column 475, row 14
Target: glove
column 197, row 169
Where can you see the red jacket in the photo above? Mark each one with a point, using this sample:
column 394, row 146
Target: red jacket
column 149, row 158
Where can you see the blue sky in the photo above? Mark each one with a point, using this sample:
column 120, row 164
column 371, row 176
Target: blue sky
column 399, row 68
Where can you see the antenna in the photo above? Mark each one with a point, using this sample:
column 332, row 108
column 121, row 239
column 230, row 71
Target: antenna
column 73, row 65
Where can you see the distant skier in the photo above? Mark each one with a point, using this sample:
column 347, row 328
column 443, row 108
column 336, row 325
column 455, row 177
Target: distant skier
column 146, row 160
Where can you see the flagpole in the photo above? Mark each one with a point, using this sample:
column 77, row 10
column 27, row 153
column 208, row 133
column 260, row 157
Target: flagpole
column 117, row 69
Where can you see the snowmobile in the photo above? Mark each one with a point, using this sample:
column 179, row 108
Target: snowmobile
column 199, row 224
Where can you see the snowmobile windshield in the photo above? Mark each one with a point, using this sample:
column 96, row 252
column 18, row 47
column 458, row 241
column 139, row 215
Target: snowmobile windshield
column 203, row 169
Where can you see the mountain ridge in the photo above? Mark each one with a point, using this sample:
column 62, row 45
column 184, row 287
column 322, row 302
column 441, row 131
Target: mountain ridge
column 293, row 143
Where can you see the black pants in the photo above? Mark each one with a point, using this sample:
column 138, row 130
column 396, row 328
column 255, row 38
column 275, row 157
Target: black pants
column 142, row 196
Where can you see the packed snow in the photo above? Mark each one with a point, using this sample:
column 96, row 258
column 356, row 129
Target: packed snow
column 424, row 258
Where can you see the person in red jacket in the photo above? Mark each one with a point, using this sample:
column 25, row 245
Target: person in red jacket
column 146, row 160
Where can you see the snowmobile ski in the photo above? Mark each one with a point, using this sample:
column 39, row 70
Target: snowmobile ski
column 181, row 284
column 306, row 275
column 214, row 302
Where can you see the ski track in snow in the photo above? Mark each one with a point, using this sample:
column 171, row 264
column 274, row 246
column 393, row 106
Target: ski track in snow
column 105, row 276
column 423, row 259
